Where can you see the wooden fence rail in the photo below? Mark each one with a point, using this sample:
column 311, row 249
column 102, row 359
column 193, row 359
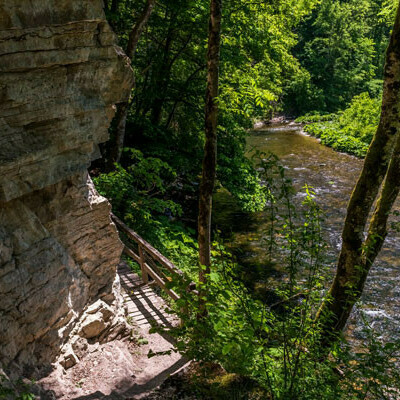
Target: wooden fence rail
column 146, row 255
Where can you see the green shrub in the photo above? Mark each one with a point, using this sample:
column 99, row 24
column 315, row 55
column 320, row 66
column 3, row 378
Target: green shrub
column 138, row 196
column 350, row 131
column 316, row 117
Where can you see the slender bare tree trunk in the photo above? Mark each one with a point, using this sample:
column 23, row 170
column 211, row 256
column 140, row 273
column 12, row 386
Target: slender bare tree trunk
column 163, row 75
column 139, row 27
column 116, row 146
column 210, row 148
column 381, row 165
column 177, row 101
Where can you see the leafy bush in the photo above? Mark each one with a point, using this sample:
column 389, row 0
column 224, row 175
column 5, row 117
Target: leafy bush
column 316, row 117
column 138, row 197
column 350, row 131
column 235, row 171
column 301, row 94
column 136, row 192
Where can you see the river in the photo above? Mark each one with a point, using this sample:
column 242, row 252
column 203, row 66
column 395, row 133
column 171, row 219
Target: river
column 333, row 176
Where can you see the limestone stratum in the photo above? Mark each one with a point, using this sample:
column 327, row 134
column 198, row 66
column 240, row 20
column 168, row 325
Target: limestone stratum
column 60, row 75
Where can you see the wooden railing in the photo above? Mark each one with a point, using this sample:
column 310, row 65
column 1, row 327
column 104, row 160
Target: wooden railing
column 151, row 261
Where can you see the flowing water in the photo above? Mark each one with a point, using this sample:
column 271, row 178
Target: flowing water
column 333, row 176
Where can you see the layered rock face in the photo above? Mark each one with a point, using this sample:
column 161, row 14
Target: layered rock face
column 60, row 75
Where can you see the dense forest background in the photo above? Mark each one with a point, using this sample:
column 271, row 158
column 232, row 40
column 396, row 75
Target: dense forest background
column 319, row 61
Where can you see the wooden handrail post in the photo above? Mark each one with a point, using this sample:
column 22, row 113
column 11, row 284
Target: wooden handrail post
column 185, row 312
column 142, row 262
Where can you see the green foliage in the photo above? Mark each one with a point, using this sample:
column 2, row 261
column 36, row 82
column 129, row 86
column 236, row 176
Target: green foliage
column 235, row 171
column 136, row 192
column 137, row 195
column 246, row 335
column 276, row 343
column 341, row 50
column 388, row 11
column 350, row 131
column 301, row 94
column 167, row 110
column 271, row 342
column 316, row 117
column 361, row 118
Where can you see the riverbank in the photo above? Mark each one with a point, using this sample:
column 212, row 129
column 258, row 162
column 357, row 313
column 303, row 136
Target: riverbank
column 331, row 135
column 349, row 131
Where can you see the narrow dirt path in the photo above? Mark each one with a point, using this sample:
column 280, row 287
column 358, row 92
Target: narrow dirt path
column 121, row 369
column 146, row 307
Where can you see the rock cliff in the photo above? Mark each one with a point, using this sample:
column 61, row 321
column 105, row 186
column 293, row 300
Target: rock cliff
column 60, row 76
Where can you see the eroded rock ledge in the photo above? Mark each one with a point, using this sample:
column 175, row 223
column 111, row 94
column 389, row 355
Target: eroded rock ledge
column 60, row 75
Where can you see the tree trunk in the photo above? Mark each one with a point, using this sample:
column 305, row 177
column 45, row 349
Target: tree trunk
column 163, row 74
column 117, row 145
column 139, row 27
column 210, row 149
column 177, row 101
column 381, row 164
